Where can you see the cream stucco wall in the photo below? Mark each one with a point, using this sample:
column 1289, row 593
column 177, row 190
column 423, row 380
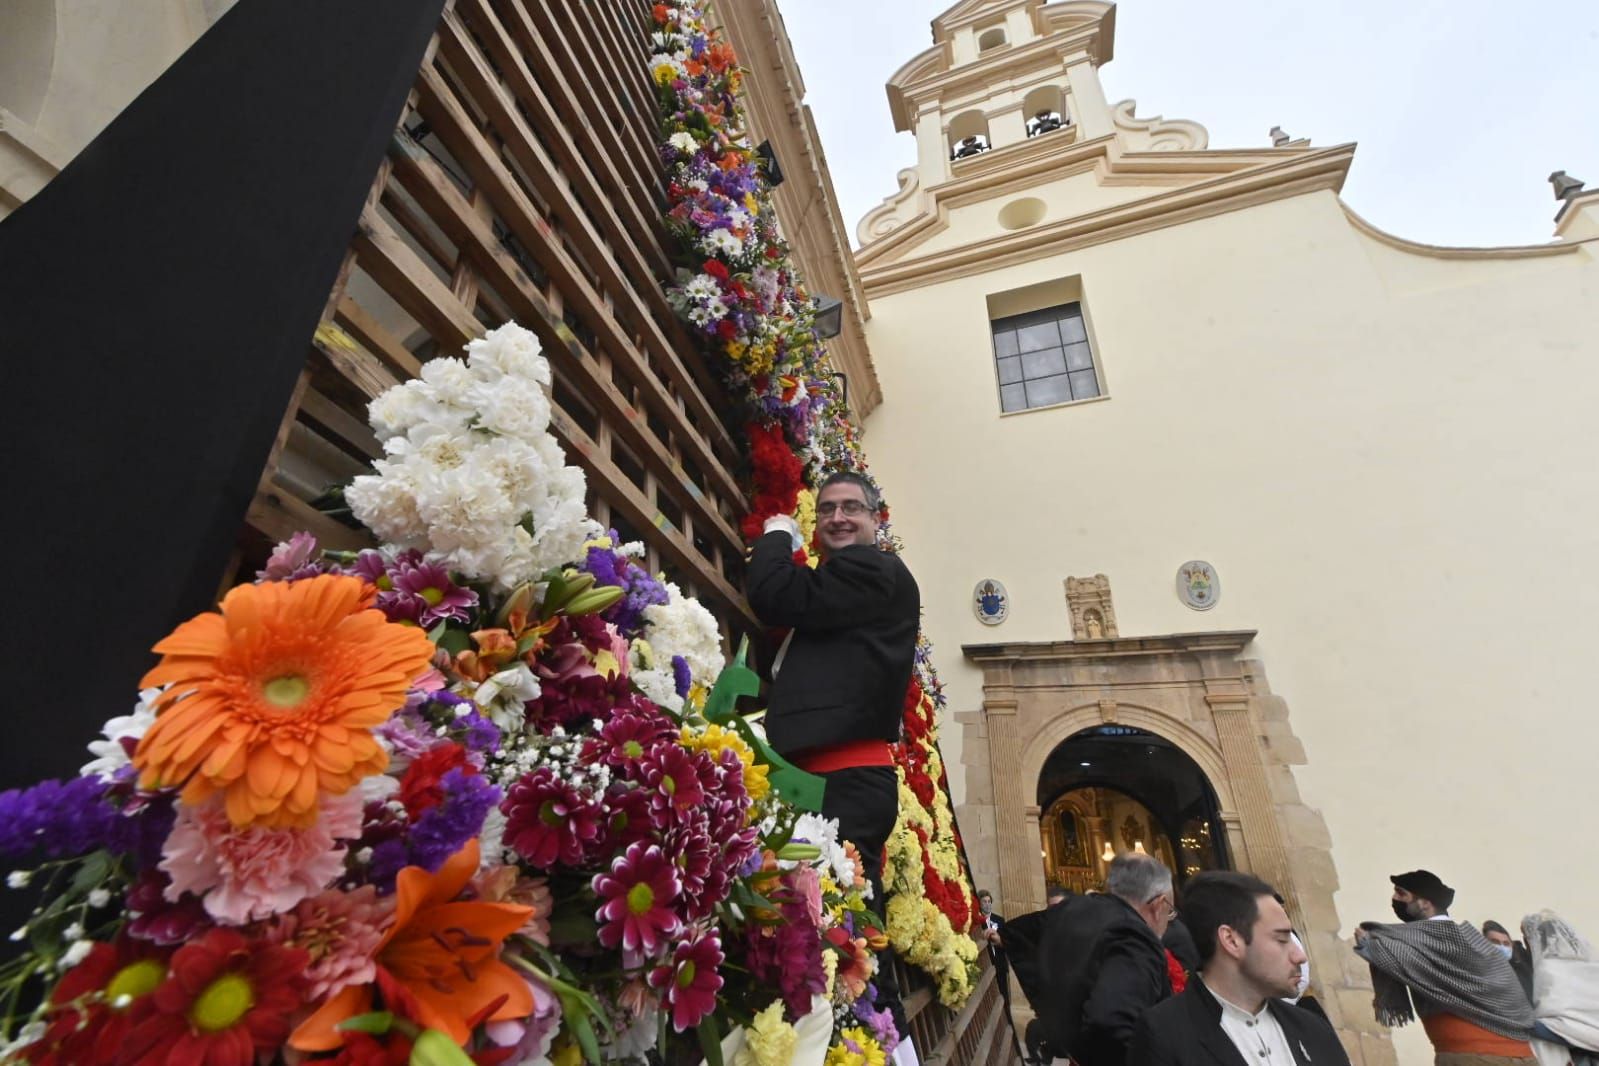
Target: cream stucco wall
column 1388, row 457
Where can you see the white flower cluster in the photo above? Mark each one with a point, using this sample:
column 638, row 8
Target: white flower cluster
column 680, row 626
column 111, row 754
column 471, row 473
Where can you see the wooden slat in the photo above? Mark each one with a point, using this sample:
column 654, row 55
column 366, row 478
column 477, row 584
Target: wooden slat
column 403, row 275
column 472, row 68
column 427, row 182
column 339, row 350
column 340, row 426
column 587, row 161
column 366, row 329
column 279, row 514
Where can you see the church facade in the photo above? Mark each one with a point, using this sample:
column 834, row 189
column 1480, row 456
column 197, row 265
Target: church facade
column 1262, row 531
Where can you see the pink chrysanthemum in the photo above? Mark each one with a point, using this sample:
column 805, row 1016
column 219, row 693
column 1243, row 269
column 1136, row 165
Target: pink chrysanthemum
column 341, row 931
column 689, row 982
column 636, row 898
column 429, row 585
column 547, row 821
column 247, row 873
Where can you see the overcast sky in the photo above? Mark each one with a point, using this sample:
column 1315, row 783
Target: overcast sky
column 1460, row 109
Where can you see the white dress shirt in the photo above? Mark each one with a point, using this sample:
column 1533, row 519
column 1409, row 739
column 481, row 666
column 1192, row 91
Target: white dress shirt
column 1258, row 1037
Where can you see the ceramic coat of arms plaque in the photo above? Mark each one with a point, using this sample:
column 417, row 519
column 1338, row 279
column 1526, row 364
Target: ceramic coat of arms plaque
column 990, row 602
column 1197, row 585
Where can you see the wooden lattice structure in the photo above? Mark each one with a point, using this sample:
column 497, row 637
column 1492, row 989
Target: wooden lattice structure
column 522, row 182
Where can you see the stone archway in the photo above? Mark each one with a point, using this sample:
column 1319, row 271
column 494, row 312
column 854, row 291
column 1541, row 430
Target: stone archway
column 1198, row 693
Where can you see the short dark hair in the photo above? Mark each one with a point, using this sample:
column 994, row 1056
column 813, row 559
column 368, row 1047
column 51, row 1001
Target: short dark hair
column 983, row 893
column 1056, row 892
column 874, row 499
column 1216, row 898
column 1491, row 926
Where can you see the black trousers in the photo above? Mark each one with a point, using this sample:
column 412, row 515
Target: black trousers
column 865, row 800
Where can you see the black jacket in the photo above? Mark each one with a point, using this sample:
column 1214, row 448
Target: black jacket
column 848, row 665
column 1103, row 968
column 1186, row 1031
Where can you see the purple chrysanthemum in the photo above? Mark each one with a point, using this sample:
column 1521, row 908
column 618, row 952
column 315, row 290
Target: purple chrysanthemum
column 442, row 599
column 689, row 982
column 293, row 559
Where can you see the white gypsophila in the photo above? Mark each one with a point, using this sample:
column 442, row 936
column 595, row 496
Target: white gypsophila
column 508, row 352
column 684, row 142
column 111, row 754
column 682, row 626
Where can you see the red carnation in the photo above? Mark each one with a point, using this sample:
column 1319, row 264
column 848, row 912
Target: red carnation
column 716, row 269
column 420, row 788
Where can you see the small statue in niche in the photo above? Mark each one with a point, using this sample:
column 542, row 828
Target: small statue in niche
column 1093, row 625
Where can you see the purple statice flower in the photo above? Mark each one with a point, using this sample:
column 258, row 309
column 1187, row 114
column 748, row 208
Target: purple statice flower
column 880, row 1022
column 478, row 734
column 293, row 559
column 681, row 677
column 446, row 827
column 439, row 597
column 63, row 819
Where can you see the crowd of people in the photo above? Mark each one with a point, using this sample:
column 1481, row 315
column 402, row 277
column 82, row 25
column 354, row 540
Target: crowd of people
column 1130, row 976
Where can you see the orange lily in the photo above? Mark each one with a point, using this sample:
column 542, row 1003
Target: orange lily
column 444, row 952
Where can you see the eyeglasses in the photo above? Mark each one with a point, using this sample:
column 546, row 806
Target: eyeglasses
column 1169, row 906
column 852, row 508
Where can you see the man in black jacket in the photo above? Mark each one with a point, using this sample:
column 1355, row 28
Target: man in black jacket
column 1232, row 1014
column 1103, row 962
column 840, row 678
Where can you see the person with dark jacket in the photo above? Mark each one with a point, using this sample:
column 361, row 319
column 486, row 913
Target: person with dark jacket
column 1232, row 1015
column 1103, row 962
column 840, row 678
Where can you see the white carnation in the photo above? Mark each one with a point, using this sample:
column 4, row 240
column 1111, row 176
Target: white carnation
column 684, row 142
column 451, row 380
column 682, row 626
column 512, row 406
column 508, row 352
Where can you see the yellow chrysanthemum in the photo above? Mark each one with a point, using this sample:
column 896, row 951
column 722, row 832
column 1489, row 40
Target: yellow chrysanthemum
column 870, row 1053
column 714, row 739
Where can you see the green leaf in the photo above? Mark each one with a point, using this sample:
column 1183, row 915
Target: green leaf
column 573, row 923
column 710, row 1034
column 577, row 1017
column 377, row 1023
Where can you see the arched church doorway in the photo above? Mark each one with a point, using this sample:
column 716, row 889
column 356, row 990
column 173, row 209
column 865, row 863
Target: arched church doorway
column 1115, row 788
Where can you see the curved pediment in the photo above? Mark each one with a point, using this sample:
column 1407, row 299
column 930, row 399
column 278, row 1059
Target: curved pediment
column 1156, row 134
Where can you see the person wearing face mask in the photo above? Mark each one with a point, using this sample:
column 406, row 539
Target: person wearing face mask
column 1520, row 960
column 1103, row 963
column 1236, row 1013
column 1467, row 996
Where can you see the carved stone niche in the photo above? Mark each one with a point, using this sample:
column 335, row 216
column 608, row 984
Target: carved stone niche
column 1093, row 615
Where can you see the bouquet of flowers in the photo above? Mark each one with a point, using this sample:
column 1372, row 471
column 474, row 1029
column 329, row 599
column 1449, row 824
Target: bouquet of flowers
column 461, row 799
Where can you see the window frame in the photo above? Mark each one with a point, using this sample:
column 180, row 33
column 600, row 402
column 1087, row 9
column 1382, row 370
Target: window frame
column 1031, row 358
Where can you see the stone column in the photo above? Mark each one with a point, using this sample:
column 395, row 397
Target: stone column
column 1012, row 798
column 1087, row 106
column 932, row 147
column 1035, row 884
column 1235, row 734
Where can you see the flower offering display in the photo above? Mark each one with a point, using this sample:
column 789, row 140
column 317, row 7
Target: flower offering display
column 738, row 287
column 451, row 801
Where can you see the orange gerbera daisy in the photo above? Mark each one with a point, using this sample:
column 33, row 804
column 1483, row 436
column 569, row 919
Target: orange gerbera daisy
column 444, row 952
column 273, row 700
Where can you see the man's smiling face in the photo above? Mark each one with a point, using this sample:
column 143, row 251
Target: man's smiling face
column 836, row 526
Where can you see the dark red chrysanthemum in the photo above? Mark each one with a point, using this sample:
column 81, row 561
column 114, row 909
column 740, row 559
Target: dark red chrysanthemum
column 96, row 1002
column 689, row 982
column 547, row 821
column 224, row 1000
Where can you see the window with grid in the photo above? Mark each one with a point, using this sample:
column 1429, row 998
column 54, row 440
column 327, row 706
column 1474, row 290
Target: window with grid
column 1043, row 358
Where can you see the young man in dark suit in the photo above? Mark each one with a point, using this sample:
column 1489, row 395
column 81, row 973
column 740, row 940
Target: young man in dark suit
column 1233, row 1014
column 840, row 678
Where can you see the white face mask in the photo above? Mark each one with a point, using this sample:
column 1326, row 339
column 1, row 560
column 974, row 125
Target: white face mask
column 1503, row 949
